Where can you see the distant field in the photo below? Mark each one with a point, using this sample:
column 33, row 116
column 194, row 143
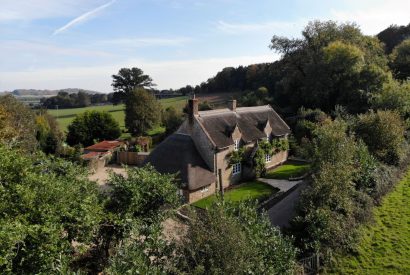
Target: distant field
column 65, row 116
column 385, row 244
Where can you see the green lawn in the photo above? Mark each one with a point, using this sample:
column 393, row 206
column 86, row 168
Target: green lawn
column 252, row 190
column 385, row 245
column 287, row 170
column 65, row 116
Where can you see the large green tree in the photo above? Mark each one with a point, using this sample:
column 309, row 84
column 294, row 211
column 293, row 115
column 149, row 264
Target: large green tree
column 92, row 126
column 249, row 244
column 383, row 132
column 334, row 204
column 128, row 80
column 400, row 57
column 18, row 126
column 142, row 111
column 46, row 206
column 333, row 64
column 48, row 135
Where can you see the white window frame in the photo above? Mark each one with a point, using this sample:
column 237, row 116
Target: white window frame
column 204, row 189
column 268, row 158
column 236, row 168
column 236, row 144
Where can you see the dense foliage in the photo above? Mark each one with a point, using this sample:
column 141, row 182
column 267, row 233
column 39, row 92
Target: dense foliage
column 144, row 194
column 46, row 205
column 142, row 111
column 400, row 60
column 18, row 128
column 92, row 126
column 75, row 100
column 383, row 133
column 49, row 135
column 249, row 244
column 393, row 36
column 171, row 119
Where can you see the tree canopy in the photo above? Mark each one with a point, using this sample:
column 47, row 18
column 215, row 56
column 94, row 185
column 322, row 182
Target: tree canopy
column 19, row 124
column 91, row 126
column 46, row 205
column 334, row 64
column 400, row 57
column 142, row 111
column 129, row 79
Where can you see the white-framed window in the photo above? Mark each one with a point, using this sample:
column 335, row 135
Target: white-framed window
column 236, row 144
column 268, row 158
column 236, row 168
column 268, row 137
column 204, row 189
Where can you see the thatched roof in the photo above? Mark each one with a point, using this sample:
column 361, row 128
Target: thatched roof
column 251, row 122
column 177, row 154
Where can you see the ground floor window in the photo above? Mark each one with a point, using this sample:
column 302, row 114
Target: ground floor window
column 268, row 158
column 236, row 168
column 204, row 189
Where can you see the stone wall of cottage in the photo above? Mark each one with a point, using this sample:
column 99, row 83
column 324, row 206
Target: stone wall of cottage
column 203, row 145
column 196, row 195
column 277, row 159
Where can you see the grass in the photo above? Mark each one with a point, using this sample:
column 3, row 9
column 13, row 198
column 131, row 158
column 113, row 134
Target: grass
column 288, row 170
column 252, row 190
column 65, row 116
column 385, row 244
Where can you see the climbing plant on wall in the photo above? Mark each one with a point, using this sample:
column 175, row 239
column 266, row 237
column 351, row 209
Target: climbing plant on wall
column 236, row 156
column 280, row 145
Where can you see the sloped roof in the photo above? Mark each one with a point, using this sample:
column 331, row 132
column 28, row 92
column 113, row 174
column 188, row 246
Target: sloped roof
column 92, row 155
column 251, row 121
column 178, row 153
column 105, row 145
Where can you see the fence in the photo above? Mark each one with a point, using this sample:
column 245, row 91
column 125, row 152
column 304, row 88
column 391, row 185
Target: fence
column 311, row 264
column 131, row 158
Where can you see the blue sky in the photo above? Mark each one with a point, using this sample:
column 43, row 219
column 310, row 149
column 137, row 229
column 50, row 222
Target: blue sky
column 51, row 44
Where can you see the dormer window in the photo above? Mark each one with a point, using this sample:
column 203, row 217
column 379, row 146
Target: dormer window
column 236, row 144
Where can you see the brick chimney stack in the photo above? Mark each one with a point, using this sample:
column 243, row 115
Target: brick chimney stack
column 193, row 107
column 232, row 105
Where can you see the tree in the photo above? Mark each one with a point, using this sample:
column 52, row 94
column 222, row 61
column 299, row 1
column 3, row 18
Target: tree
column 46, row 205
column 171, row 119
column 395, row 96
column 142, row 111
column 249, row 243
column 48, row 135
column 334, row 64
column 383, row 133
column 90, row 126
column 127, row 80
column 393, row 36
column 143, row 195
column 19, row 125
column 333, row 205
column 400, row 60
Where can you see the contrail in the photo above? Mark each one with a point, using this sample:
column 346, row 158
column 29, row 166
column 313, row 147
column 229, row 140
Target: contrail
column 83, row 17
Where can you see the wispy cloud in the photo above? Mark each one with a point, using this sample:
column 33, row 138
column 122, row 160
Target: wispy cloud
column 147, row 41
column 12, row 10
column 84, row 17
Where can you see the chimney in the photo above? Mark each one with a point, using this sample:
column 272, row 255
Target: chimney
column 193, row 107
column 232, row 105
